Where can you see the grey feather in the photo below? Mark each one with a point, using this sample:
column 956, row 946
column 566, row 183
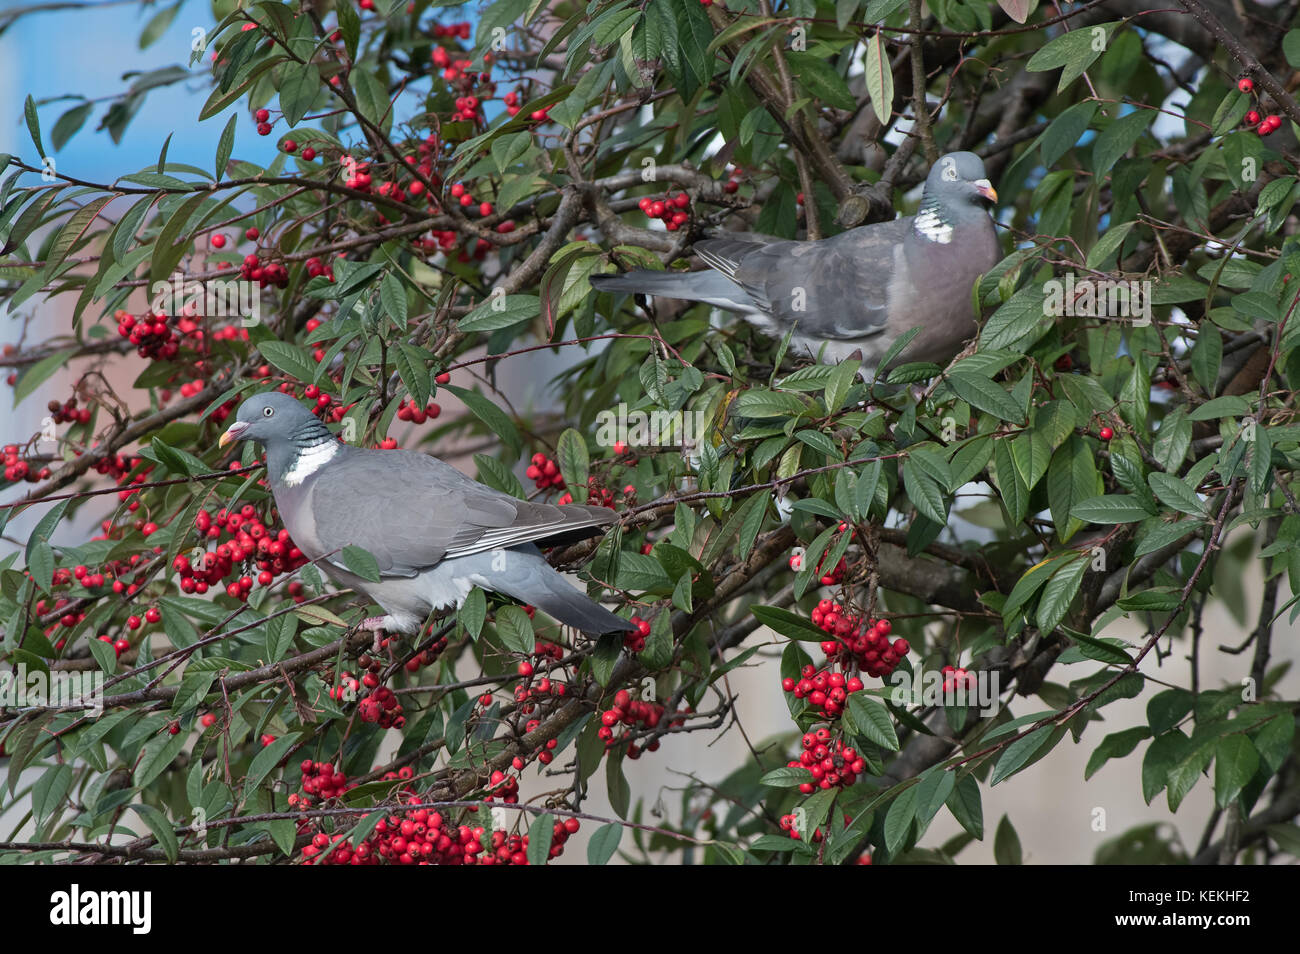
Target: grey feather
column 859, row 290
column 434, row 532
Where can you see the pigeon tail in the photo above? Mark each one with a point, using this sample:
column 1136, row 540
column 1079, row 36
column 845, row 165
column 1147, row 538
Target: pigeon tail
column 557, row 598
column 707, row 286
column 533, row 581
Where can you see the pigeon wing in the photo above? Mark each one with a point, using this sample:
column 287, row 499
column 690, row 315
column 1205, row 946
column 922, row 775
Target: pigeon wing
column 837, row 288
column 411, row 511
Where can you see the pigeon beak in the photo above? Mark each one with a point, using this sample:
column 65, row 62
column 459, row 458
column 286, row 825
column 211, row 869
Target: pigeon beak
column 985, row 188
column 233, row 433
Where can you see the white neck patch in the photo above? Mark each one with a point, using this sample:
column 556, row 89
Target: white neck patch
column 310, row 460
column 929, row 226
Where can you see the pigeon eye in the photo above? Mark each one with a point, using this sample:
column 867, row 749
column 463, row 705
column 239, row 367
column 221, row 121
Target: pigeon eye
column 268, row 411
column 950, row 170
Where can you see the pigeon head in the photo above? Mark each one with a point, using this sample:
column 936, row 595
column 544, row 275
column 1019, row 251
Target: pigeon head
column 958, row 180
column 289, row 432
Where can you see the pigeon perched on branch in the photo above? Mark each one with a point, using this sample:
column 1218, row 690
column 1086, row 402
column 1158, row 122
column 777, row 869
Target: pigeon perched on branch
column 434, row 533
column 860, row 290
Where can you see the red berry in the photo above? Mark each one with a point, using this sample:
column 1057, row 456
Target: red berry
column 1245, row 84
column 1105, row 433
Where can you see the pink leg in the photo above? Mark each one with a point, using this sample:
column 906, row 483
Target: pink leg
column 374, row 624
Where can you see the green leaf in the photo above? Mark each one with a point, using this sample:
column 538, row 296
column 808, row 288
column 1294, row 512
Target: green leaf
column 50, row 791
column 1235, row 763
column 1102, row 253
column 575, row 462
column 501, row 311
column 410, row 363
column 265, row 761
column 898, row 821
column 965, row 805
column 41, row 565
column 1073, row 52
column 984, row 393
column 473, row 612
column 1064, row 132
column 788, row 624
column 1291, row 48
column 160, row 826
column 1115, row 745
column 68, row 124
column 540, row 834
column 879, row 77
column 1006, row 843
column 603, row 844
column 1118, row 138
column 924, row 493
column 1230, row 406
column 491, row 415
column 360, row 561
column 1019, row 752
column 298, row 91
column 873, row 721
column 291, row 359
column 790, row 776
column 225, row 146
column 1059, row 593
column 1015, row 320
column 33, row 124
column 1112, row 508
column 515, row 629
column 1174, row 493
column 38, row 374
column 820, row 80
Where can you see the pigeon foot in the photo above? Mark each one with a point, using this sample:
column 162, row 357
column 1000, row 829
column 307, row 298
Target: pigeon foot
column 375, row 624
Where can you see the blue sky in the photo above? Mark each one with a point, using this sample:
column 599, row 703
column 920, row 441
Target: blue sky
column 87, row 52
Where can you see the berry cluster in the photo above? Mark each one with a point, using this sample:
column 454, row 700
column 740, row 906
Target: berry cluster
column 831, row 763
column 18, row 469
column 955, row 677
column 411, row 411
column 67, row 412
column 827, row 579
column 634, row 714
column 381, row 707
column 150, row 335
column 826, row 691
column 732, row 185
column 527, row 694
column 120, row 645
column 264, row 272
column 597, row 494
column 634, row 640
column 865, row 644
column 460, row 29
column 423, row 837
column 544, row 472
column 247, row 537
column 1266, row 125
column 671, row 209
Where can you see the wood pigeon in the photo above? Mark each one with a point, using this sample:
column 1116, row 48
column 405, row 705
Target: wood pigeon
column 861, row 289
column 434, row 532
